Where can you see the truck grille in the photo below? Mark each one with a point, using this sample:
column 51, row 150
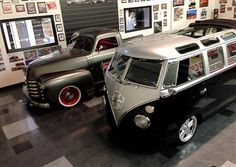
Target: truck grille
column 34, row 91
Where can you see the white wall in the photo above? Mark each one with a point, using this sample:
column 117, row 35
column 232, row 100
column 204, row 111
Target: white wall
column 7, row 76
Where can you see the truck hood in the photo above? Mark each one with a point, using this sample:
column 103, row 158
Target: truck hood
column 59, row 61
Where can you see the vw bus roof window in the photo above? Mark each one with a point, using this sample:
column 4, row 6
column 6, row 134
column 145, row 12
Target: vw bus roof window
column 210, row 41
column 144, row 71
column 187, row 48
column 228, row 36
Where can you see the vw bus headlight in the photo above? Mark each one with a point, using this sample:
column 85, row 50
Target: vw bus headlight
column 142, row 121
column 149, row 109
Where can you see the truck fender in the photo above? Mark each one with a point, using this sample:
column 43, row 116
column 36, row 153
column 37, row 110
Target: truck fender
column 54, row 83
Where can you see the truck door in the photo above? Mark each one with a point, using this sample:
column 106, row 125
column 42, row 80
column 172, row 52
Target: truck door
column 104, row 50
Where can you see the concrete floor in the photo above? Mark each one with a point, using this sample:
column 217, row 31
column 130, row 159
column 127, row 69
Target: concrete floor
column 31, row 137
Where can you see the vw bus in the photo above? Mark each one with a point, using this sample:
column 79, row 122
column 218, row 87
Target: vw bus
column 151, row 81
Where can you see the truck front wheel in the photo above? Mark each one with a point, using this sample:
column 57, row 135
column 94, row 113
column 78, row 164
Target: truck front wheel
column 69, row 96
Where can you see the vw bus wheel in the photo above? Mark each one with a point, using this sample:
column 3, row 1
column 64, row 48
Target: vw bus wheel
column 187, row 129
column 69, row 96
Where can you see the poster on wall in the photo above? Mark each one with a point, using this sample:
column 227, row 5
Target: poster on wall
column 164, row 6
column 192, row 4
column 6, row 7
column 52, row 5
column 222, row 1
column 15, row 57
column 191, row 14
column 234, row 2
column 203, row 3
column 203, row 14
column 71, row 2
column 164, row 22
column 31, row 9
column 222, row 8
column 20, row 8
column 157, row 27
column 178, row 3
column 42, row 7
column 178, row 14
column 229, row 9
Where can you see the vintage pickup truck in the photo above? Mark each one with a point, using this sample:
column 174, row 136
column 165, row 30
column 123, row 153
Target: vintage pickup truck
column 66, row 77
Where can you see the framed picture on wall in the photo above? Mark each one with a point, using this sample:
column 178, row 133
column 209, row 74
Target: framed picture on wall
column 42, row 7
column 234, row 2
column 58, row 18
column 61, row 37
column 31, row 9
column 203, row 3
column 52, row 5
column 59, row 27
column 178, row 3
column 6, row 7
column 20, row 8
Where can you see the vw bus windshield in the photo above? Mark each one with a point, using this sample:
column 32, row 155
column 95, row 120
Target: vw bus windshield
column 118, row 65
column 144, row 71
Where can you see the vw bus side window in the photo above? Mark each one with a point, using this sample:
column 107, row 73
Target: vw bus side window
column 171, row 74
column 215, row 59
column 231, row 49
column 190, row 69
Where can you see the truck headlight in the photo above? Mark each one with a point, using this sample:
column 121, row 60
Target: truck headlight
column 142, row 121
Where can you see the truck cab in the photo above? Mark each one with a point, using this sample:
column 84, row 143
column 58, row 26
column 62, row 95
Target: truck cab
column 64, row 78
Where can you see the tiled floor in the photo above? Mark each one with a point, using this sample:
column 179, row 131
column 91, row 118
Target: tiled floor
column 30, row 137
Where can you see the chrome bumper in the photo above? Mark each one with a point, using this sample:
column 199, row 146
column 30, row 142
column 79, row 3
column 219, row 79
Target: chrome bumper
column 37, row 104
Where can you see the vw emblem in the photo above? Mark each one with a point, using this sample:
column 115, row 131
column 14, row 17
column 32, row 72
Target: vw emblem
column 118, row 100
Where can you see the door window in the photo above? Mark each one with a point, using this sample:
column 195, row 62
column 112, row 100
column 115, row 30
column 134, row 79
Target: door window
column 107, row 43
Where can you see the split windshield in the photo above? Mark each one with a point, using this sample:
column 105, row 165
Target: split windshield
column 139, row 71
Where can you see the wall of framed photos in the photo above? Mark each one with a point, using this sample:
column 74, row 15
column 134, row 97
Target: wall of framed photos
column 161, row 15
column 225, row 9
column 28, row 29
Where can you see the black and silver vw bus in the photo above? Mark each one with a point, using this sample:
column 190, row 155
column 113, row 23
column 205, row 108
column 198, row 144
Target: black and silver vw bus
column 151, row 81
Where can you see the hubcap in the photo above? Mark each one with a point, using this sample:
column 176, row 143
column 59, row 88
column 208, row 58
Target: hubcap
column 188, row 129
column 69, row 96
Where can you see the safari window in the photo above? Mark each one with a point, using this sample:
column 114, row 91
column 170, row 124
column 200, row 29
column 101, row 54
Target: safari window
column 231, row 48
column 215, row 58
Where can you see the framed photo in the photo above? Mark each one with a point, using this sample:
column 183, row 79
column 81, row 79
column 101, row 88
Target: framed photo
column 20, row 8
column 31, row 9
column 1, row 0
column 52, row 5
column 58, row 18
column 222, row 1
column 155, row 7
column 61, row 37
column 6, row 7
column 157, row 27
column 178, row 3
column 234, row 2
column 42, row 7
column 59, row 27
column 216, row 13
column 203, row 3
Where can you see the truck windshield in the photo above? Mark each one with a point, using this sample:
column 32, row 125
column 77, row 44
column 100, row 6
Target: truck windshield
column 84, row 43
column 118, row 65
column 144, row 71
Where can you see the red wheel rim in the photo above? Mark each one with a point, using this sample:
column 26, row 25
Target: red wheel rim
column 69, row 96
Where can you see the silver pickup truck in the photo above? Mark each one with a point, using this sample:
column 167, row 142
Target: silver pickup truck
column 68, row 76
